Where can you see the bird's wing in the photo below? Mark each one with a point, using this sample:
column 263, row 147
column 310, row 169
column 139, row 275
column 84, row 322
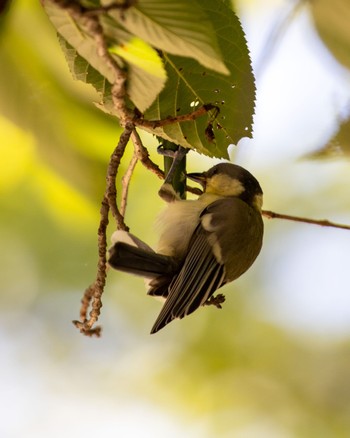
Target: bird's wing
column 200, row 276
column 229, row 234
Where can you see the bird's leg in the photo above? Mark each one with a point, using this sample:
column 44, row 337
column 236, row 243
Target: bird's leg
column 216, row 301
column 175, row 176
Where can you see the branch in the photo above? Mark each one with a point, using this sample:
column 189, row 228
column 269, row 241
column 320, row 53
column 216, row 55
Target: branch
column 153, row 124
column 321, row 222
column 143, row 155
column 94, row 291
column 113, row 166
column 92, row 295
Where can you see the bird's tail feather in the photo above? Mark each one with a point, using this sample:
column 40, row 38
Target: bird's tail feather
column 138, row 261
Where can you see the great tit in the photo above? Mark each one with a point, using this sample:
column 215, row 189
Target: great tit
column 204, row 243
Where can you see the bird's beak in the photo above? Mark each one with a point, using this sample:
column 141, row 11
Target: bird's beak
column 198, row 178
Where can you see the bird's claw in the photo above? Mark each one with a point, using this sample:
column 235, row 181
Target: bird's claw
column 179, row 153
column 165, row 152
column 216, row 301
column 167, row 193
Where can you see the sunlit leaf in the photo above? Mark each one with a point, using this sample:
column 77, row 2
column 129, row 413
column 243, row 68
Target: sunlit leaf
column 146, row 73
column 83, row 71
column 75, row 34
column 142, row 55
column 141, row 85
column 190, row 85
column 179, row 27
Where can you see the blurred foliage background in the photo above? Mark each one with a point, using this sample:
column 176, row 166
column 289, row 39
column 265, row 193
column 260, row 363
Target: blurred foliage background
column 275, row 362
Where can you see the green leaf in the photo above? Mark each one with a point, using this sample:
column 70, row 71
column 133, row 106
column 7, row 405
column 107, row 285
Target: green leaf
column 137, row 52
column 76, row 35
column 83, row 71
column 179, row 27
column 146, row 75
column 143, row 87
column 190, row 85
column 228, row 3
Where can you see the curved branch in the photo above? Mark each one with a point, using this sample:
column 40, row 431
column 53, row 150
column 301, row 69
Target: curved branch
column 143, row 155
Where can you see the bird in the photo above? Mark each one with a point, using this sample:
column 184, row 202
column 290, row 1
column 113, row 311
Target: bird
column 204, row 243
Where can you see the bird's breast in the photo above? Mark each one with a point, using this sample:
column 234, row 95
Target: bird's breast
column 177, row 224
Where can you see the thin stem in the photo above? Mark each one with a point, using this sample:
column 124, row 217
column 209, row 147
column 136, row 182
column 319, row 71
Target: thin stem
column 126, row 182
column 143, row 155
column 94, row 291
column 321, row 222
column 153, row 124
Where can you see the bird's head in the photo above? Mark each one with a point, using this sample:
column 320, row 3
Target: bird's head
column 230, row 180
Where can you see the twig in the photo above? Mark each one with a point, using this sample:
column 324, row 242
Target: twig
column 153, row 124
column 321, row 222
column 113, row 166
column 143, row 155
column 126, row 182
column 93, row 293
